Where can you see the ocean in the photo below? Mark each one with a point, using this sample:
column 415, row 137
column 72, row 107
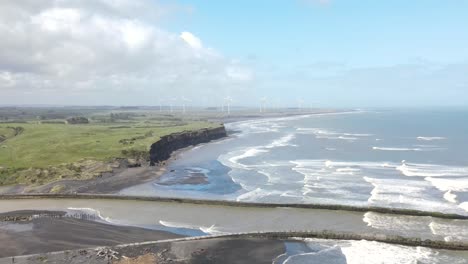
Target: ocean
column 412, row 159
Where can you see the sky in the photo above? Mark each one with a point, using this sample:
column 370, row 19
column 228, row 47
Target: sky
column 324, row 53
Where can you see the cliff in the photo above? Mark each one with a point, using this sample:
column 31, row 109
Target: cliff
column 162, row 150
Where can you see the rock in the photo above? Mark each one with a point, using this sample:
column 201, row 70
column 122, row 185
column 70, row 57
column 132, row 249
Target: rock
column 162, row 150
column 107, row 254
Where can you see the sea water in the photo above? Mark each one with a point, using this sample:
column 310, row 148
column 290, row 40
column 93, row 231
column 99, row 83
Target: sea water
column 414, row 159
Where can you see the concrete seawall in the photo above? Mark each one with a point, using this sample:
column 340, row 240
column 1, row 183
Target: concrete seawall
column 286, row 235
column 384, row 210
column 412, row 242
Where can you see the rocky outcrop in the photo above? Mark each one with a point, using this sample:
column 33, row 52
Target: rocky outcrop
column 162, row 150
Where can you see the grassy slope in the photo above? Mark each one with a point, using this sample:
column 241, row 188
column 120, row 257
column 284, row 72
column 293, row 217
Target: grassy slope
column 42, row 145
column 6, row 132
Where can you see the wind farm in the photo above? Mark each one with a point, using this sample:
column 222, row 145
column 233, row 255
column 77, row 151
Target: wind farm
column 205, row 132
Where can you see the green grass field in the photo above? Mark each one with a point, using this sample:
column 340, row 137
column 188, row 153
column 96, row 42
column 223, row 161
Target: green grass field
column 46, row 147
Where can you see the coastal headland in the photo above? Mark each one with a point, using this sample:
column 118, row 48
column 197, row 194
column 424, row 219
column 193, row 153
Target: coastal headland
column 110, row 152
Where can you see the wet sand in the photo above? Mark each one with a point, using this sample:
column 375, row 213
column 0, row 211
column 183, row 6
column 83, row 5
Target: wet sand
column 47, row 234
column 113, row 182
column 227, row 251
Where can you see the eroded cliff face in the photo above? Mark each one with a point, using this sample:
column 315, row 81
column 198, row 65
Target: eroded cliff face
column 162, row 150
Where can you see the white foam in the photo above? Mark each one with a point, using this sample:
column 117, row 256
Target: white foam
column 329, row 181
column 321, row 133
column 257, row 150
column 177, row 225
column 331, row 255
column 73, row 211
column 281, row 142
column 396, row 149
column 336, row 137
column 268, row 175
column 430, row 170
column 450, row 185
column 371, row 252
column 213, row 230
column 430, row 138
column 358, row 135
column 257, row 194
column 464, row 206
column 266, row 125
column 250, row 152
column 459, row 184
column 407, row 193
column 348, row 169
column 451, row 230
column 347, row 182
column 397, row 224
column 320, row 163
column 449, row 196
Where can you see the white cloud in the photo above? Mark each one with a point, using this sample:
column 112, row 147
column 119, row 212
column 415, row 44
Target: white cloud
column 239, row 74
column 192, row 40
column 107, row 49
column 57, row 19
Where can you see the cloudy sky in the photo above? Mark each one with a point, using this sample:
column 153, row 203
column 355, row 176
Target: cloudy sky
column 325, row 52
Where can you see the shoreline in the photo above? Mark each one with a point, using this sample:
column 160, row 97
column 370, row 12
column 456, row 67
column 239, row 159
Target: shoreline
column 271, row 244
column 28, row 234
column 38, row 231
column 124, row 177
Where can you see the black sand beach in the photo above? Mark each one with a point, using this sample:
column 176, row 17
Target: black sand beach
column 24, row 236
column 197, row 252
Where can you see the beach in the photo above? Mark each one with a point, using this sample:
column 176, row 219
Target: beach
column 109, row 234
column 266, row 175
column 47, row 234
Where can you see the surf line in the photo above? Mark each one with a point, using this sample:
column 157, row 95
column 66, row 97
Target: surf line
column 376, row 209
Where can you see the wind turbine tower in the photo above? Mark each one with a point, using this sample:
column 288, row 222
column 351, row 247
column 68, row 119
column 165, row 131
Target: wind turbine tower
column 184, row 101
column 172, row 104
column 228, row 101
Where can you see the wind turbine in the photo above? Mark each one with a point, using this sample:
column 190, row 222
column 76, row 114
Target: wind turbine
column 171, row 103
column 160, row 105
column 184, row 100
column 228, row 101
column 262, row 104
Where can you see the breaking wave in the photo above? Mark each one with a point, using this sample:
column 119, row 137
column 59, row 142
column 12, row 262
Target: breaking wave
column 430, row 138
column 430, row 170
column 321, row 133
column 396, row 149
column 360, row 252
column 87, row 213
column 212, row 230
